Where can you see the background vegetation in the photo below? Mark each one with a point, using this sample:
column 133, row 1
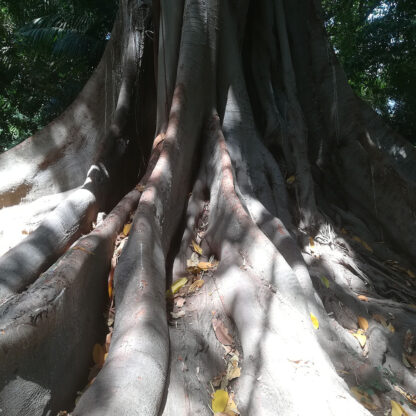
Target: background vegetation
column 48, row 49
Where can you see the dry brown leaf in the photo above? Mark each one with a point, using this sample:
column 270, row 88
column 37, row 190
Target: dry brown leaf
column 196, row 285
column 233, row 371
column 196, row 248
column 363, row 298
column 221, row 332
column 411, row 359
column 98, row 353
column 411, row 274
column 206, row 265
column 390, row 327
column 362, row 323
column 140, row 188
column 380, row 318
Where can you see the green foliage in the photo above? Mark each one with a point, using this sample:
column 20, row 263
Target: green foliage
column 376, row 43
column 48, row 50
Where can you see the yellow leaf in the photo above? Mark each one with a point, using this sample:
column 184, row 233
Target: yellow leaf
column 176, row 286
column 315, row 321
column 366, row 246
column 325, row 281
column 196, row 285
column 363, row 398
column 381, row 319
column 362, row 339
column 390, row 327
column 397, row 410
column 311, row 242
column 290, row 179
column 231, row 409
column 126, row 229
column 98, row 353
column 411, row 274
column 196, row 248
column 363, row 298
column 219, row 401
column 110, row 289
column 362, row 323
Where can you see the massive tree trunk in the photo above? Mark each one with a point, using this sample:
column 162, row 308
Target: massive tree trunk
column 265, row 166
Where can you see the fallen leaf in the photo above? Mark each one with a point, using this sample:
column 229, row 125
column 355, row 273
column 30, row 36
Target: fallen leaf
column 380, row 319
column 366, row 246
column 205, row 265
column 196, row 285
column 397, row 410
column 408, row 341
column 411, row 359
column 315, row 321
column 193, row 261
column 325, row 281
column 362, row 339
column 233, row 371
column 196, row 248
column 290, row 179
column 363, row 298
column 405, row 361
column 410, row 397
column 179, row 302
column 344, row 231
column 176, row 286
column 140, row 188
column 362, row 323
column 98, row 353
column 219, row 400
column 231, row 409
column 390, row 327
column 364, row 398
column 126, row 229
column 221, row 332
column 177, row 315
column 311, row 242
column 411, row 274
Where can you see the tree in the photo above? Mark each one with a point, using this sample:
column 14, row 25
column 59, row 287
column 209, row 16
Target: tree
column 376, row 43
column 262, row 155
